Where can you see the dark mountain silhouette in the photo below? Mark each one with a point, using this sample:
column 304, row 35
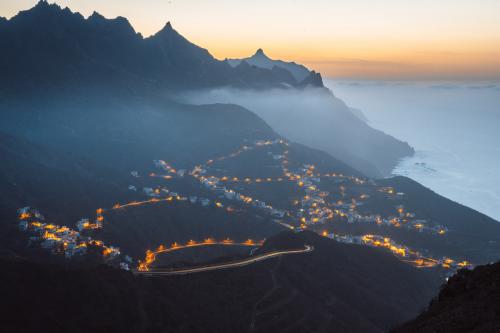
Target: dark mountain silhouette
column 336, row 287
column 48, row 48
column 468, row 302
column 47, row 45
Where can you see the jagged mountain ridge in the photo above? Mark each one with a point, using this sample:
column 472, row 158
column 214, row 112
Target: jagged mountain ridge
column 62, row 46
column 49, row 48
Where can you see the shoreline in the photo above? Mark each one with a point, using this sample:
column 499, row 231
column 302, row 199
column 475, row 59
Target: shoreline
column 451, row 183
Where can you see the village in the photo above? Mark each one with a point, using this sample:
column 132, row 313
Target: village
column 407, row 254
column 313, row 209
column 64, row 240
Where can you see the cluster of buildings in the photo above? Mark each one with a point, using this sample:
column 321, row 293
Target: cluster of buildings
column 156, row 192
column 168, row 168
column 313, row 208
column 420, row 225
column 61, row 239
column 404, row 252
column 260, row 143
column 244, row 148
column 390, row 191
column 349, row 209
column 214, row 184
column 373, row 241
column 85, row 224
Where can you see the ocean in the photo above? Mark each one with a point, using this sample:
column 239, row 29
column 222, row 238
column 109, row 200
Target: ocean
column 453, row 126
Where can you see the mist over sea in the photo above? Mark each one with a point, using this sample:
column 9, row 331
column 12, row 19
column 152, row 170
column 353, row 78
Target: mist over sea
column 454, row 128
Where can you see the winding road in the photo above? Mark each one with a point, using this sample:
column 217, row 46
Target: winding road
column 240, row 263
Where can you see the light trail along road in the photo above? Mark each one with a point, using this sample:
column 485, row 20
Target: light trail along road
column 240, row 263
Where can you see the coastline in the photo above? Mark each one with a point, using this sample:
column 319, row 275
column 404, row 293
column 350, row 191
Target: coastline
column 451, row 183
column 460, row 161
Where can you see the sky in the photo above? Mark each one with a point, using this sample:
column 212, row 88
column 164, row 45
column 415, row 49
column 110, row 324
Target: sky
column 360, row 39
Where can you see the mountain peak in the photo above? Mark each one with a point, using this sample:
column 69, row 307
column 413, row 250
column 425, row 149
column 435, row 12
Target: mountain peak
column 96, row 16
column 260, row 53
column 167, row 32
column 42, row 3
column 167, row 27
column 45, row 10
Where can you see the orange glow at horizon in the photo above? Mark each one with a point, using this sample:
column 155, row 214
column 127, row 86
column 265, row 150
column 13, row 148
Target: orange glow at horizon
column 448, row 39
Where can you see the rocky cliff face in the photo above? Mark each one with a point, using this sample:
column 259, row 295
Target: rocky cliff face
column 468, row 302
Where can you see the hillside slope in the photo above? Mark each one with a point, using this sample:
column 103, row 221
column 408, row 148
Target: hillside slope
column 319, row 291
column 468, row 302
column 49, row 48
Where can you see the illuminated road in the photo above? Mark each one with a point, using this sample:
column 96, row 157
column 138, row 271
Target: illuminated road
column 240, row 263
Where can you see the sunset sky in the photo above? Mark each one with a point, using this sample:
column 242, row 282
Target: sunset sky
column 392, row 39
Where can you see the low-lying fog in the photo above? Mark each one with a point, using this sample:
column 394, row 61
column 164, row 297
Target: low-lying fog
column 315, row 118
column 454, row 127
column 278, row 104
